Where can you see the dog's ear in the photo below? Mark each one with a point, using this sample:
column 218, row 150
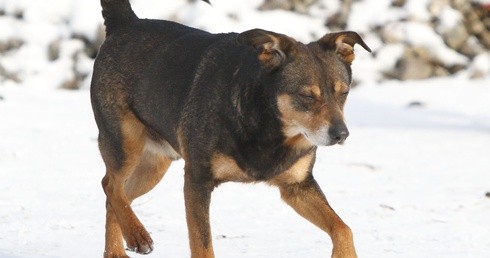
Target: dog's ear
column 343, row 44
column 273, row 48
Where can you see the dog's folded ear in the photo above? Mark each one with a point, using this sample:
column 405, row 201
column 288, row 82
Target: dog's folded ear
column 273, row 48
column 343, row 44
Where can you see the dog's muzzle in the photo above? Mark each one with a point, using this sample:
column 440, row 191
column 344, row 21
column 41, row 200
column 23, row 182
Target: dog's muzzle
column 328, row 135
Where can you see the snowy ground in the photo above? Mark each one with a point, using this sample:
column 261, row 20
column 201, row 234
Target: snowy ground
column 410, row 181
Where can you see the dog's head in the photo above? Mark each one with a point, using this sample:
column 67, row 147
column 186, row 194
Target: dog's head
column 310, row 82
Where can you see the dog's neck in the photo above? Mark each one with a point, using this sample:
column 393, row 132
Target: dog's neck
column 256, row 109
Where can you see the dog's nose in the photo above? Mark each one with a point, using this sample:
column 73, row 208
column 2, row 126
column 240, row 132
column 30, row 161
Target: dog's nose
column 338, row 133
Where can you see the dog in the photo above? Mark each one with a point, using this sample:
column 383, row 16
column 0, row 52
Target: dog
column 247, row 107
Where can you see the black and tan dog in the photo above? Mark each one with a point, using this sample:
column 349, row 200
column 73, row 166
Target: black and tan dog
column 245, row 107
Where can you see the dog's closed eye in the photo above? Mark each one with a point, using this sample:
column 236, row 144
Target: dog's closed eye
column 306, row 95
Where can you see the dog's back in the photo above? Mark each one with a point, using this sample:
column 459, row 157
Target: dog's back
column 141, row 62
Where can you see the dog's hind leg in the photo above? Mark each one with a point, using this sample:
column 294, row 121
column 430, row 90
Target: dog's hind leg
column 307, row 199
column 120, row 217
column 148, row 173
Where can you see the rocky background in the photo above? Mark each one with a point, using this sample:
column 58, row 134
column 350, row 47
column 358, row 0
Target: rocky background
column 461, row 28
column 411, row 39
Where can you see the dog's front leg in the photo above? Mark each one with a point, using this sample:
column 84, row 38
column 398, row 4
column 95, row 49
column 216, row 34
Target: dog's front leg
column 308, row 200
column 197, row 194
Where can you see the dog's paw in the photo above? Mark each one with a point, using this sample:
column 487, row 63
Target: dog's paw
column 108, row 254
column 139, row 241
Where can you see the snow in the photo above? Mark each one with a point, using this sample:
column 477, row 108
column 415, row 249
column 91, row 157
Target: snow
column 421, row 34
column 417, row 9
column 410, row 180
column 481, row 63
column 366, row 14
column 449, row 18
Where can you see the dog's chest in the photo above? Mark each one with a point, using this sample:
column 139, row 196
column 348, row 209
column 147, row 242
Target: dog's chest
column 225, row 169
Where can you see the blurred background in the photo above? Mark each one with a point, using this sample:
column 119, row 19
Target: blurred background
column 411, row 39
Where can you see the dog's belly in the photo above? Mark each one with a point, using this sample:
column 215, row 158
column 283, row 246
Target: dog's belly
column 161, row 147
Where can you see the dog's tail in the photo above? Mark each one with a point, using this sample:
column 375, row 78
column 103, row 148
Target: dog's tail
column 117, row 13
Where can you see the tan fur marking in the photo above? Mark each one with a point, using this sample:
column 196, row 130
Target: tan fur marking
column 225, row 168
column 297, row 173
column 316, row 91
column 308, row 201
column 298, row 142
column 195, row 227
column 268, row 57
column 345, row 50
column 133, row 136
column 197, row 197
column 120, row 197
column 114, row 246
column 340, row 87
column 294, row 120
column 147, row 174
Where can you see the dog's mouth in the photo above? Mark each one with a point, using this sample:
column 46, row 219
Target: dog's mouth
column 317, row 139
column 321, row 138
column 341, row 142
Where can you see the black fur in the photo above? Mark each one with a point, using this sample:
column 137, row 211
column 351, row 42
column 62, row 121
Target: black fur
column 206, row 94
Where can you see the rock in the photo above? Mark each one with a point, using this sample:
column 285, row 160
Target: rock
column 8, row 75
column 472, row 47
column 300, row 6
column 414, row 65
column 339, row 20
column 415, row 104
column 274, row 4
column 437, row 6
column 477, row 74
column 70, row 84
column 388, row 207
column 440, row 71
column 387, row 35
column 485, row 38
column 10, row 44
column 475, row 19
column 398, row 3
column 456, row 37
column 412, row 68
column 54, row 50
column 456, row 68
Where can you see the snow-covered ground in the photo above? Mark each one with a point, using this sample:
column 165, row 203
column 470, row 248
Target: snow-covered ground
column 410, row 181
